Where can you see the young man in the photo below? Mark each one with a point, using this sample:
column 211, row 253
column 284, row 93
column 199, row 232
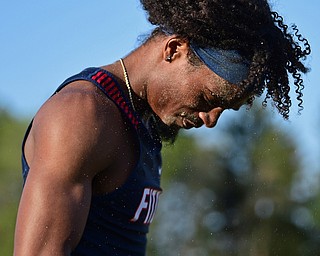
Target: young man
column 91, row 156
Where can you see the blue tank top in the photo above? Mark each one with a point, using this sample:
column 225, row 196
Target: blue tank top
column 118, row 221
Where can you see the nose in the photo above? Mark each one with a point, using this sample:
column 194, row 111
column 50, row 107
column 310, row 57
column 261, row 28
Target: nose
column 210, row 118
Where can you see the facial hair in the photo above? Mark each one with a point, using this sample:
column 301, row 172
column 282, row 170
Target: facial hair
column 167, row 133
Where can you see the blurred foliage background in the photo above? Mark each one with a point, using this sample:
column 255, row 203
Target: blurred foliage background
column 11, row 133
column 243, row 193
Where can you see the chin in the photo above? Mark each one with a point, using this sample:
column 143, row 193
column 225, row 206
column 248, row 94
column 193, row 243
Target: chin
column 167, row 132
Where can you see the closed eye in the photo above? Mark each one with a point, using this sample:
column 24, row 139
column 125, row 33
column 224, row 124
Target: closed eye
column 213, row 101
column 209, row 102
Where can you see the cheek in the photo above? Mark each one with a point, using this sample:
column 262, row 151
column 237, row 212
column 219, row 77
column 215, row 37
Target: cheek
column 168, row 98
column 163, row 100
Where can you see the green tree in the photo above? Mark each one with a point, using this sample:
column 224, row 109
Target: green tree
column 11, row 134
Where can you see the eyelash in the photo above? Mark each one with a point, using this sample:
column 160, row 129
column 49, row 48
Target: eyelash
column 209, row 102
column 217, row 101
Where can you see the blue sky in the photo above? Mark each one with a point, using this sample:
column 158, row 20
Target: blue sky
column 44, row 42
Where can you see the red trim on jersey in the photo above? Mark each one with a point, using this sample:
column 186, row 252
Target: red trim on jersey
column 112, row 90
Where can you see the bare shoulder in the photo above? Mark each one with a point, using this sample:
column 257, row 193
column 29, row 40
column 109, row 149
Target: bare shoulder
column 77, row 126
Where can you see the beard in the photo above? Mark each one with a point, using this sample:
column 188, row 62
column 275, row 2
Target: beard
column 167, row 133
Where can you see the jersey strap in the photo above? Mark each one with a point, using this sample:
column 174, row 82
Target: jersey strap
column 107, row 84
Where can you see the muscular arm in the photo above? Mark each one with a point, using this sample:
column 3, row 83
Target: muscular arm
column 64, row 154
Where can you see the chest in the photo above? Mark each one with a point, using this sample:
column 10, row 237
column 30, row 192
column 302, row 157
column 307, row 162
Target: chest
column 124, row 161
column 136, row 156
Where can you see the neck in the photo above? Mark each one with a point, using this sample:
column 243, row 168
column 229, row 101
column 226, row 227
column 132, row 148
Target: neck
column 140, row 66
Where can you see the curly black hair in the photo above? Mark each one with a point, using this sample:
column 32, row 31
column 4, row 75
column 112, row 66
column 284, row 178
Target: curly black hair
column 248, row 26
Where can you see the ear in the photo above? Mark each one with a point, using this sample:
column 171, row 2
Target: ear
column 175, row 47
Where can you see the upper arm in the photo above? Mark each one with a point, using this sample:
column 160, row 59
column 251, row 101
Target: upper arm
column 67, row 141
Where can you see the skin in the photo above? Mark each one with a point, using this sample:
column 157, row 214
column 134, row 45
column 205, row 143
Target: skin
column 78, row 140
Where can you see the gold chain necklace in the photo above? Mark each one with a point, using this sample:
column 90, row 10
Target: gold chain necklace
column 126, row 78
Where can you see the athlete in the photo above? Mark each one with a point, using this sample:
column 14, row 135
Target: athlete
column 91, row 155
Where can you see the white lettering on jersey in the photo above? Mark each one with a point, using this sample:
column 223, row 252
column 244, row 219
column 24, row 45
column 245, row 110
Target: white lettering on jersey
column 149, row 203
